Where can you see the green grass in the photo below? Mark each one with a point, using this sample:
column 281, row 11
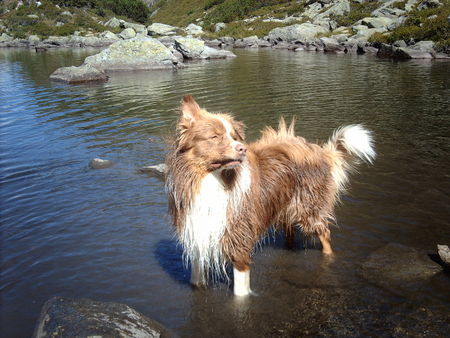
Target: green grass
column 240, row 29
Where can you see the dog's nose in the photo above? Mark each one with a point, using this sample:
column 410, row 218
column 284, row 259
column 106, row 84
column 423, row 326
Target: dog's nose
column 240, row 148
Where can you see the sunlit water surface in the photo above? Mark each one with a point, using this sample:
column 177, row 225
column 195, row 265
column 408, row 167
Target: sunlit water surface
column 71, row 231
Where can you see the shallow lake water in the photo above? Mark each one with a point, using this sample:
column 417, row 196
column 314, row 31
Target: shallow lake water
column 67, row 230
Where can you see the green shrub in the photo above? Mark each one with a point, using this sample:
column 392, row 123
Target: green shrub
column 134, row 9
column 399, row 4
column 212, row 3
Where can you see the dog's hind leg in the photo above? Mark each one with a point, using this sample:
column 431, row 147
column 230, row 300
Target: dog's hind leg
column 325, row 240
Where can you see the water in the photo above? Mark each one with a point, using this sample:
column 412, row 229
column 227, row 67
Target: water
column 71, row 231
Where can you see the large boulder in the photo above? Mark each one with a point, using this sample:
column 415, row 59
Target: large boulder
column 84, row 73
column 305, row 33
column 331, row 45
column 378, row 22
column 6, row 38
column 65, row 317
column 396, row 265
column 161, row 29
column 421, row 50
column 195, row 49
column 114, row 23
column 140, row 53
column 137, row 27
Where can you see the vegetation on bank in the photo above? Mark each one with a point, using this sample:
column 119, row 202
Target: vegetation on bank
column 426, row 24
column 242, row 17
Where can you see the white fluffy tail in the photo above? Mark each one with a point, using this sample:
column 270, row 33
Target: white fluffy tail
column 354, row 140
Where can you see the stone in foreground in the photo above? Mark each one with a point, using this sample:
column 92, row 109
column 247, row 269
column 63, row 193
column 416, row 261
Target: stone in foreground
column 140, row 53
column 98, row 163
column 65, row 317
column 84, row 73
column 444, row 253
column 158, row 171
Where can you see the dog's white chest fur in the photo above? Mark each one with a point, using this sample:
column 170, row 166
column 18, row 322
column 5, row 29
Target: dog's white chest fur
column 207, row 220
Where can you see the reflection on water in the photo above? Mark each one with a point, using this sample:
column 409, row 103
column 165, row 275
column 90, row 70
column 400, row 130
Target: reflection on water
column 70, row 231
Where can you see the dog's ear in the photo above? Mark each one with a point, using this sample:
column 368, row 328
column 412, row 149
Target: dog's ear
column 190, row 110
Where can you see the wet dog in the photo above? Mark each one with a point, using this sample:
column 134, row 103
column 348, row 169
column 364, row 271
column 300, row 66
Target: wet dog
column 224, row 194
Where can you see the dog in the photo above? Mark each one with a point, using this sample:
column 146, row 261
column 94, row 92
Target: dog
column 224, row 195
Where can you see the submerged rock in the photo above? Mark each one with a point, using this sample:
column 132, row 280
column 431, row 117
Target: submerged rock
column 140, row 53
column 394, row 264
column 84, row 73
column 158, row 170
column 66, row 317
column 98, row 163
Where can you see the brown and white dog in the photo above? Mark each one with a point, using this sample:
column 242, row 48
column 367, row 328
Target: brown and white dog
column 224, row 195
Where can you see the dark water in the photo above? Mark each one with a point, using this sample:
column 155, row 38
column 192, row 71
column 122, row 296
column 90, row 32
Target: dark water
column 103, row 234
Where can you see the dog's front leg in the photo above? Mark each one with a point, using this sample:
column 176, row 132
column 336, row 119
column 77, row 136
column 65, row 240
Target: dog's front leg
column 241, row 281
column 197, row 275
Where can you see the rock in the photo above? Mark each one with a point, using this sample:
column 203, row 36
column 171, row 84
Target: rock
column 6, row 38
column 331, row 45
column 394, row 265
column 114, row 23
column 140, row 53
column 158, row 170
column 250, row 42
column 127, row 33
column 57, row 40
column 400, row 43
column 284, row 45
column 213, row 43
column 137, row 27
column 410, row 4
column 379, row 22
column 263, row 43
column 34, row 39
column 66, row 317
column 421, row 50
column 109, row 36
column 67, row 13
column 194, row 29
column 227, row 40
column 161, row 29
column 193, row 49
column 386, row 51
column 304, row 33
column 219, row 26
column 83, row 73
column 444, row 253
column 98, row 163
column 337, row 8
column 428, row 4
column 33, row 16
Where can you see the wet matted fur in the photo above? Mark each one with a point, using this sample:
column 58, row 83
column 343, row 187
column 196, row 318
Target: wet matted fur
column 224, row 195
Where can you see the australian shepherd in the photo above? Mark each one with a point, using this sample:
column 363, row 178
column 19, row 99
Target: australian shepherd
column 224, row 194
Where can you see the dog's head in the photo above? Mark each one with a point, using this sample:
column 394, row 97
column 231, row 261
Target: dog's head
column 211, row 141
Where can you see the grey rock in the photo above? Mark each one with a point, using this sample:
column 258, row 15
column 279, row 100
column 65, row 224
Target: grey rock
column 137, row 27
column 114, row 23
column 161, row 29
column 410, row 4
column 331, row 45
column 33, row 16
column 444, row 253
column 6, row 38
column 59, row 24
column 83, row 73
column 429, row 4
column 140, row 53
column 305, row 32
column 219, row 26
column 386, row 51
column 67, row 13
column 263, row 43
column 34, row 39
column 127, row 33
column 57, row 40
column 379, row 22
column 109, row 36
column 66, row 317
column 213, row 43
column 194, row 29
column 284, row 45
column 394, row 265
column 421, row 50
column 158, row 170
column 227, row 40
column 195, row 49
column 400, row 43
